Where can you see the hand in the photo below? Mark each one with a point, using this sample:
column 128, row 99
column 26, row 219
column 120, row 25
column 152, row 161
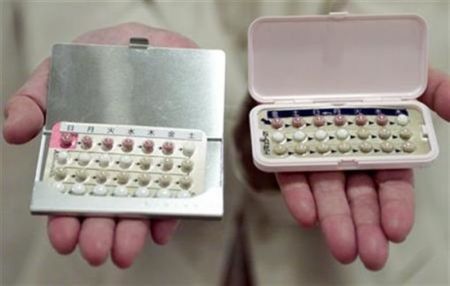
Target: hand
column 359, row 212
column 96, row 237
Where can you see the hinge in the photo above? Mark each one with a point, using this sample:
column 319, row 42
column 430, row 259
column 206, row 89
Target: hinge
column 138, row 43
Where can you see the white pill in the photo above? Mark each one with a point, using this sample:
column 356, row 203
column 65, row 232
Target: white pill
column 299, row 136
column 387, row 147
column 323, row 148
column 320, row 135
column 344, row 147
column 122, row 178
column 342, row 134
column 62, row 157
column 83, row 159
column 409, row 147
column 59, row 186
column 120, row 191
column 60, row 174
column 183, row 194
column 144, row 179
column 142, row 192
column 363, row 133
column 104, row 160
column 185, row 182
column 164, row 193
column 144, row 163
column 167, row 164
column 405, row 133
column 80, row 175
column 99, row 190
column 301, row 149
column 101, row 177
column 164, row 181
column 278, row 137
column 78, row 189
column 365, row 147
column 280, row 149
column 125, row 162
column 187, row 165
column 188, row 149
column 402, row 119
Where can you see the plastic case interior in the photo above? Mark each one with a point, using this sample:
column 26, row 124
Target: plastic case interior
column 137, row 85
column 334, row 61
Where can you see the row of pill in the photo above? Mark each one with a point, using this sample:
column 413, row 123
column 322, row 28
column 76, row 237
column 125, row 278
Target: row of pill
column 341, row 134
column 126, row 145
column 119, row 191
column 339, row 120
column 121, row 178
column 344, row 147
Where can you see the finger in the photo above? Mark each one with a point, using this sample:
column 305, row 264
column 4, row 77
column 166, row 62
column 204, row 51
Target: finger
column 395, row 189
column 437, row 94
column 372, row 243
column 163, row 229
column 298, row 197
column 334, row 214
column 96, row 239
column 63, row 233
column 130, row 237
column 24, row 113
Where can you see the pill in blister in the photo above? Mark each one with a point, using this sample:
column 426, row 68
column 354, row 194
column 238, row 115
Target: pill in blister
column 65, row 141
column 127, row 145
column 188, row 149
column 365, row 147
column 120, row 191
column 185, row 182
column 99, row 190
column 142, row 192
column 384, row 133
column 125, row 162
column 297, row 121
column 86, row 142
column 167, row 147
column 122, row 178
column 187, row 165
column 148, row 146
column 344, row 147
column 107, row 144
column 183, row 194
column 280, row 149
column 62, row 157
column 164, row 181
column 277, row 123
column 80, row 175
column 382, row 119
column 84, row 159
column 323, row 148
column 104, row 160
column 321, row 135
column 144, row 163
column 59, row 187
column 339, row 120
column 60, row 174
column 164, row 193
column 101, row 177
column 167, row 164
column 408, row 147
column 278, row 137
column 299, row 136
column 144, row 179
column 342, row 134
column 78, row 189
column 405, row 134
column 402, row 119
column 387, row 147
column 360, row 119
column 319, row 120
column 363, row 133
column 301, row 149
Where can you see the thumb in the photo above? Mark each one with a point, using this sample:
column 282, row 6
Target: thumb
column 24, row 113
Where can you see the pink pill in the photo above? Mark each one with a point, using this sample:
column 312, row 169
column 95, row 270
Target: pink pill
column 319, row 120
column 382, row 119
column 360, row 119
column 127, row 145
column 65, row 141
column 147, row 146
column 86, row 142
column 339, row 120
column 297, row 122
column 277, row 123
column 107, row 143
column 167, row 148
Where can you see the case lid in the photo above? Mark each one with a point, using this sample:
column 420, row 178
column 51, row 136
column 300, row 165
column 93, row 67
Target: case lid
column 337, row 57
column 137, row 85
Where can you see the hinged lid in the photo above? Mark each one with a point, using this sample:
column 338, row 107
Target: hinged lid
column 338, row 56
column 137, row 85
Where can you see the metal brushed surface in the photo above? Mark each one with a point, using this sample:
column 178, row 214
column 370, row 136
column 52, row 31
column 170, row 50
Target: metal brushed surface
column 181, row 88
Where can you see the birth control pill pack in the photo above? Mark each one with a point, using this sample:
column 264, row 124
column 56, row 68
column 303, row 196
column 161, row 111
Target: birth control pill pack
column 339, row 93
column 132, row 131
